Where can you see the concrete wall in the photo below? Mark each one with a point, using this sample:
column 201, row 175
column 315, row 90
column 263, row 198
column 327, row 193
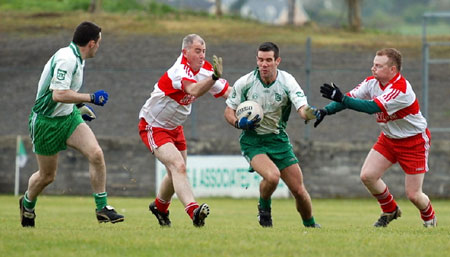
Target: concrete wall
column 330, row 169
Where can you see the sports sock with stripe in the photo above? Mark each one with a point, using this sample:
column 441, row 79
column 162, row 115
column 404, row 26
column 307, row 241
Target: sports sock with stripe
column 27, row 203
column 386, row 201
column 100, row 200
column 190, row 209
column 162, row 205
column 427, row 213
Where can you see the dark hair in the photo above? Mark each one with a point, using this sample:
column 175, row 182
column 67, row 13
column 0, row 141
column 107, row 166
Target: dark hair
column 86, row 32
column 394, row 55
column 269, row 46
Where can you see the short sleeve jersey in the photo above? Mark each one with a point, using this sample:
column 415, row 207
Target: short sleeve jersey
column 275, row 99
column 169, row 105
column 63, row 71
column 400, row 116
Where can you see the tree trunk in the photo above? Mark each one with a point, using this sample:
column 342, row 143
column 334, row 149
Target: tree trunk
column 291, row 12
column 95, row 6
column 219, row 8
column 354, row 14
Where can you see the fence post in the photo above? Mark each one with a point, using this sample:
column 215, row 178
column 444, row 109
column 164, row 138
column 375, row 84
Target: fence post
column 308, row 90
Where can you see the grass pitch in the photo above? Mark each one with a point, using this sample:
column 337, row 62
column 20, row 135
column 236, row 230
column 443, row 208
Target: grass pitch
column 66, row 226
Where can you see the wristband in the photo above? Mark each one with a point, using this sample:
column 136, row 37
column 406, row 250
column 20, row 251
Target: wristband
column 214, row 77
column 236, row 124
column 79, row 105
column 92, row 98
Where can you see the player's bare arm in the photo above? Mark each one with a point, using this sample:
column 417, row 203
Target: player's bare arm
column 230, row 116
column 203, row 86
column 200, row 88
column 99, row 97
column 307, row 112
column 70, row 96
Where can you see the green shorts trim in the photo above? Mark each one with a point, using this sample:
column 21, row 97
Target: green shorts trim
column 49, row 134
column 277, row 147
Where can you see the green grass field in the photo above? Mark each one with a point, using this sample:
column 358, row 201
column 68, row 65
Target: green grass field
column 66, row 226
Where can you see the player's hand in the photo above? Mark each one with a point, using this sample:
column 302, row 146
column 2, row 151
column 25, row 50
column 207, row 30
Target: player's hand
column 310, row 113
column 99, row 98
column 320, row 115
column 246, row 124
column 331, row 92
column 217, row 67
column 87, row 113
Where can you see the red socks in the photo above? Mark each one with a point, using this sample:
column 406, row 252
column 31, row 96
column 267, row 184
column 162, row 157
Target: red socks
column 386, row 200
column 162, row 205
column 190, row 208
column 427, row 213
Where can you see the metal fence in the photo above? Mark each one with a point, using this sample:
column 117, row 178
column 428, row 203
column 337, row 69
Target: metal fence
column 427, row 60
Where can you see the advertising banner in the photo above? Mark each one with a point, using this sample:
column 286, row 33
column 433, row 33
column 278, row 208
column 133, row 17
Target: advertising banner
column 221, row 176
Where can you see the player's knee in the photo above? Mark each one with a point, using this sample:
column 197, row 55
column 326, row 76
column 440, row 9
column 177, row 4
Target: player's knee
column 273, row 179
column 96, row 156
column 47, row 177
column 367, row 178
column 414, row 196
column 179, row 167
column 300, row 192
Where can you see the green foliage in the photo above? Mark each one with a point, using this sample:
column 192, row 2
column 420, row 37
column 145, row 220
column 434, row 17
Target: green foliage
column 66, row 226
column 114, row 6
column 44, row 5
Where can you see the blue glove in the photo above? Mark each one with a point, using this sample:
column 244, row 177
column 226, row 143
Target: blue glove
column 246, row 124
column 99, row 98
column 87, row 113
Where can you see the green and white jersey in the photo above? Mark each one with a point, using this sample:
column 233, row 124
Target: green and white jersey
column 63, row 71
column 275, row 99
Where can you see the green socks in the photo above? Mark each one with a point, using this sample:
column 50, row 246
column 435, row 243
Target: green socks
column 100, row 200
column 27, row 203
column 309, row 223
column 265, row 204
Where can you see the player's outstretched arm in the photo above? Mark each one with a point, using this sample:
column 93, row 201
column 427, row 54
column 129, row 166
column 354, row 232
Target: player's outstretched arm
column 201, row 87
column 332, row 92
column 307, row 112
column 69, row 96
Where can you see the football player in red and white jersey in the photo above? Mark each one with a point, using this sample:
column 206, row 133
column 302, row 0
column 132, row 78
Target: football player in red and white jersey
column 161, row 120
column 404, row 136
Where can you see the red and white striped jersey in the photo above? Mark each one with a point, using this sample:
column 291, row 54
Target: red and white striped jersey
column 400, row 116
column 169, row 105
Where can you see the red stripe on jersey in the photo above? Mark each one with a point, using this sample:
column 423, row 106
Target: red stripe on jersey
column 369, row 78
column 392, row 95
column 410, row 110
column 207, row 66
column 165, row 84
column 225, row 88
column 380, row 105
column 181, row 97
column 399, row 83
